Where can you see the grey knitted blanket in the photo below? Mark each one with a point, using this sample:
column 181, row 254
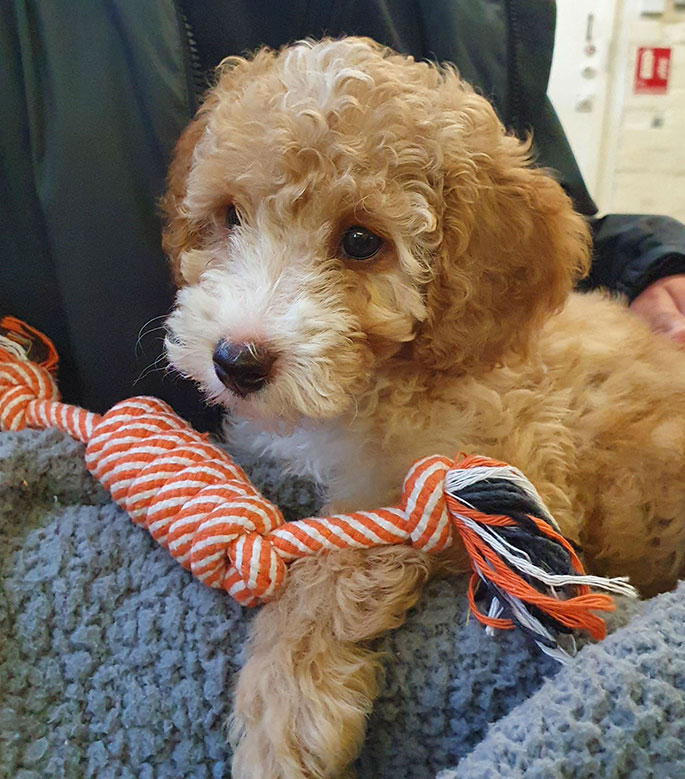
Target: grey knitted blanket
column 114, row 662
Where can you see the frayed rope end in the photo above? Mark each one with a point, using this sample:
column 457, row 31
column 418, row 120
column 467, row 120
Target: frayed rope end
column 529, row 573
column 22, row 342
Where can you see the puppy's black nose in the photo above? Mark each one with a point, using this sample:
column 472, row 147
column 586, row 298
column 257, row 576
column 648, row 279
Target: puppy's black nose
column 243, row 367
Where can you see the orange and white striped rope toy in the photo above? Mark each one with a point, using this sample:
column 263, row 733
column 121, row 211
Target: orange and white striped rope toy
column 199, row 504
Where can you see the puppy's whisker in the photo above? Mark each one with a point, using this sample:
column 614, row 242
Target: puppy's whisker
column 152, row 368
column 171, row 372
column 252, row 350
column 144, row 331
column 140, row 349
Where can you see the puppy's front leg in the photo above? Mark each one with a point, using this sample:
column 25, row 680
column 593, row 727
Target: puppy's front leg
column 309, row 683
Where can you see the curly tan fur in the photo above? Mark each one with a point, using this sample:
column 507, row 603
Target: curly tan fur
column 461, row 334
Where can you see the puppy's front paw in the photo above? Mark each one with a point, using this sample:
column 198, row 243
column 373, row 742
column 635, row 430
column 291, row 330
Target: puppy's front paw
column 303, row 696
column 301, row 715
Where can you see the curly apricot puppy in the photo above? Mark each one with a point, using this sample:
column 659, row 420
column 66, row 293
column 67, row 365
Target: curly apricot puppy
column 371, row 271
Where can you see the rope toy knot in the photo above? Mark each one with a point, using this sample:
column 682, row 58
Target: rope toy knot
column 21, row 384
column 193, row 499
column 428, row 523
column 230, row 548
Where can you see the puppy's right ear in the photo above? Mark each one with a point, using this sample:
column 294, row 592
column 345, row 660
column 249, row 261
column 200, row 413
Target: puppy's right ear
column 179, row 233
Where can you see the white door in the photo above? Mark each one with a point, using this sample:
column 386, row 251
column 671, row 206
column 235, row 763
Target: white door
column 580, row 78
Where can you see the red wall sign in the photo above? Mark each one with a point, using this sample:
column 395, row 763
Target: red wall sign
column 651, row 71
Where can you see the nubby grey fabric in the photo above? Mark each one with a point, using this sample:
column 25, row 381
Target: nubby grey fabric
column 115, row 662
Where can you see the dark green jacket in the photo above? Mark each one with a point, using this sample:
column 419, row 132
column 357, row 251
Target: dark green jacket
column 94, row 94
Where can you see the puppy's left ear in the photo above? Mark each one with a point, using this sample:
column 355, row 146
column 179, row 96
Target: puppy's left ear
column 179, row 234
column 512, row 245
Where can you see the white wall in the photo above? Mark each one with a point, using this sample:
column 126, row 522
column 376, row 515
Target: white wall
column 631, row 148
column 580, row 77
column 646, row 167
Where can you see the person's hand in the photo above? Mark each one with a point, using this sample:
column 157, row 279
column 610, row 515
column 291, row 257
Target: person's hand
column 662, row 304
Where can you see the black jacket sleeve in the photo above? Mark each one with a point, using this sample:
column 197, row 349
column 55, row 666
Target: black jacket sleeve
column 631, row 251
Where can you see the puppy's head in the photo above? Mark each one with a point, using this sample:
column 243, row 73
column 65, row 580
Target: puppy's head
column 335, row 207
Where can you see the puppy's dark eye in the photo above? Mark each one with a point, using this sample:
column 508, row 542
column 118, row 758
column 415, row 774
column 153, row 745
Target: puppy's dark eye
column 358, row 243
column 232, row 219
